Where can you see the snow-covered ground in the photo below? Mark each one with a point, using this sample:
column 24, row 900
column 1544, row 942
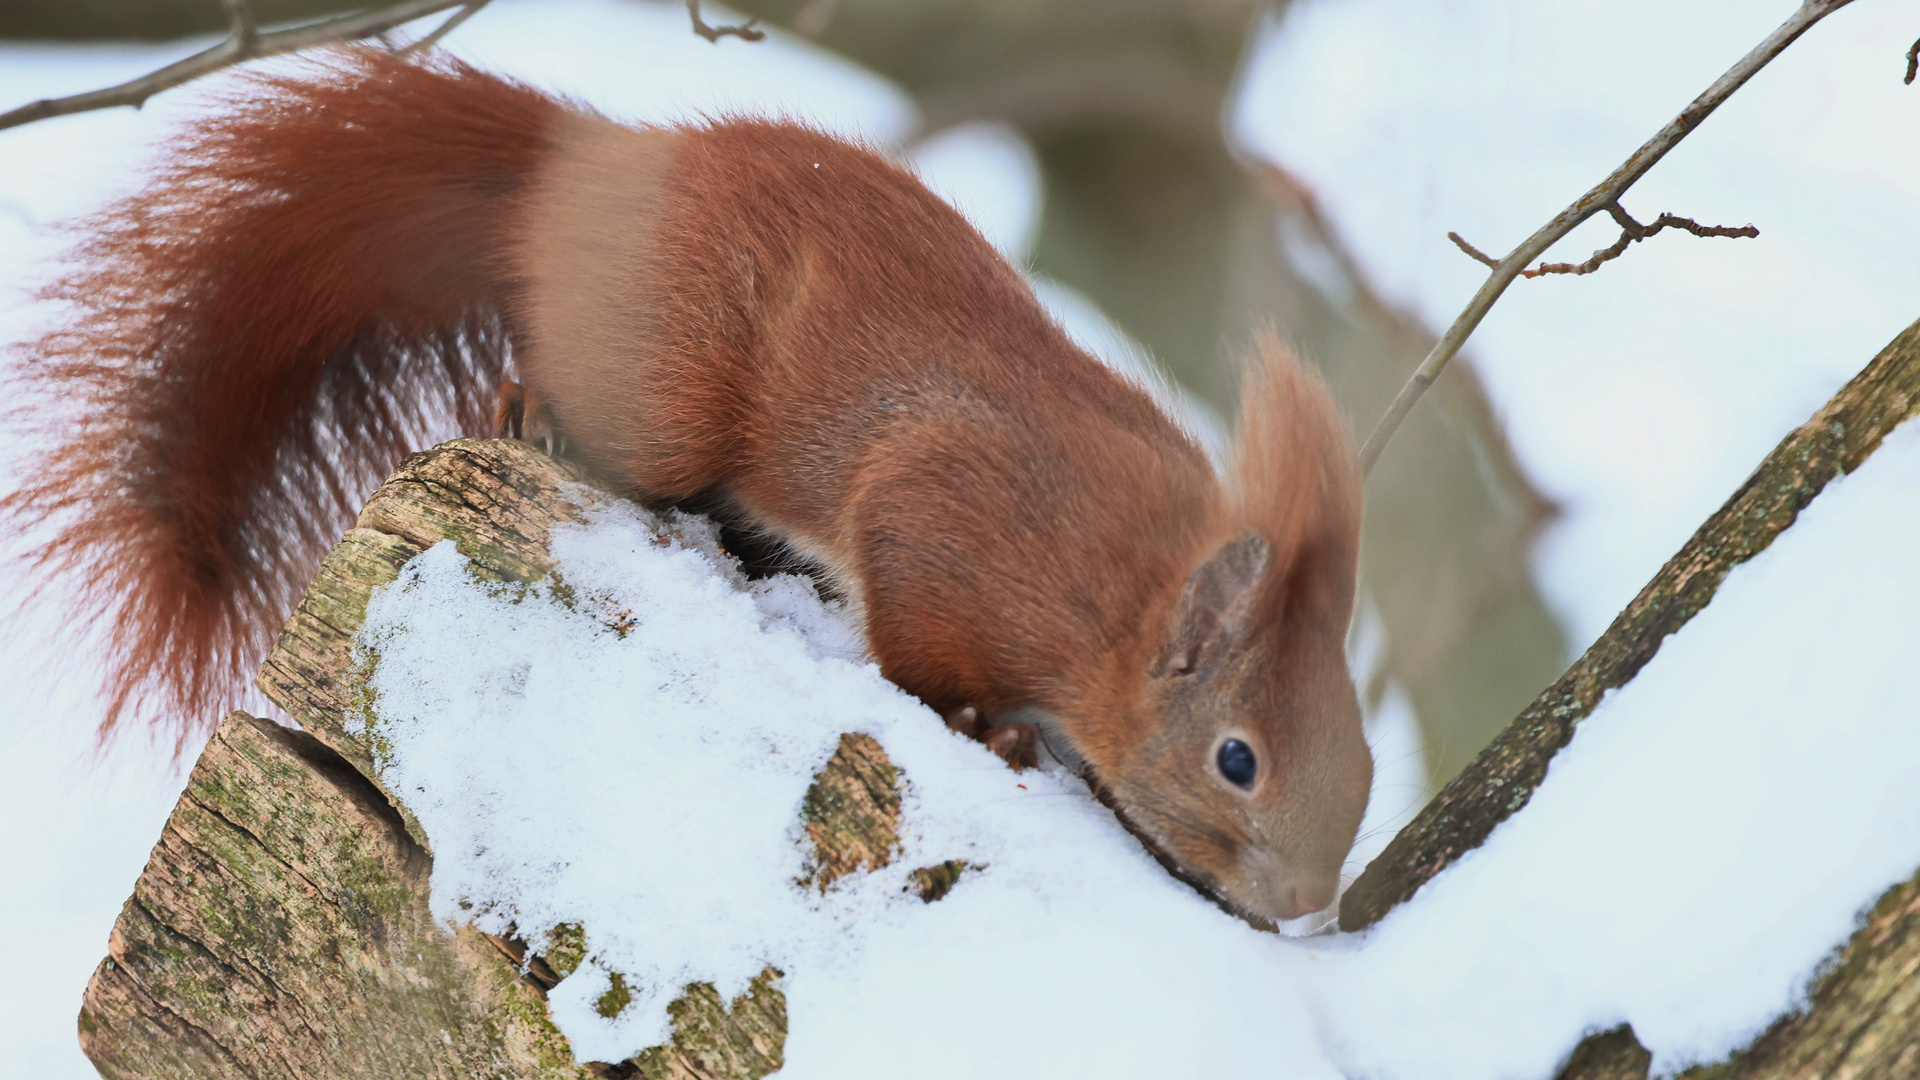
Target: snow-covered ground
column 1671, row 872
column 1639, row 396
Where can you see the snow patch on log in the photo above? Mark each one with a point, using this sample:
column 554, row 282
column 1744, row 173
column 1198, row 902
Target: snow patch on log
column 629, row 745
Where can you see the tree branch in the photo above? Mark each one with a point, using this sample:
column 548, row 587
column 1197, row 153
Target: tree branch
column 1605, row 194
column 1474, row 252
column 1631, row 231
column 745, row 31
column 244, row 43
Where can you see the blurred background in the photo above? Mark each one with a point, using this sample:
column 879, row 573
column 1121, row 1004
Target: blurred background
column 1176, row 175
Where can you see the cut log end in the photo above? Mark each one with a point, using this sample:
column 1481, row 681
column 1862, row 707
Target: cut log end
column 282, row 925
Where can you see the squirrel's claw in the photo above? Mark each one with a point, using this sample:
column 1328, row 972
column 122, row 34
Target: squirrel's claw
column 519, row 413
column 1017, row 744
column 509, row 410
column 966, row 722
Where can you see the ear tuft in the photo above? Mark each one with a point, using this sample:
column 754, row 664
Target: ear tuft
column 1294, row 475
column 1214, row 606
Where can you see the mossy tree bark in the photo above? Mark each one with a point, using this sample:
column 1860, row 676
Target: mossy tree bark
column 1864, row 1019
column 282, row 928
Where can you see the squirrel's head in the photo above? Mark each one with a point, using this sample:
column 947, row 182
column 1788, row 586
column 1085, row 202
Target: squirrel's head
column 1250, row 769
column 1254, row 774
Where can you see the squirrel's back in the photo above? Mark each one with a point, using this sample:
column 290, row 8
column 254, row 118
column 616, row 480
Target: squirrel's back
column 758, row 310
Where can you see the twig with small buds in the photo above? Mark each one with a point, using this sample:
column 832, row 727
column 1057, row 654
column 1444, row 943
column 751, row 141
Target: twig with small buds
column 1631, row 231
column 1604, row 196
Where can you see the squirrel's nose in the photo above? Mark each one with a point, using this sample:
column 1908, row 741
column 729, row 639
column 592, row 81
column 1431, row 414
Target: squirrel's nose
column 1272, row 888
column 1305, row 895
column 1315, row 895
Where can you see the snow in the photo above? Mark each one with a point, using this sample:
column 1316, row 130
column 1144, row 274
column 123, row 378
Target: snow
column 1709, row 837
column 649, row 786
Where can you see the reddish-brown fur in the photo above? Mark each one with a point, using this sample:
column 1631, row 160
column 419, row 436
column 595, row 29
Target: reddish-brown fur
column 255, row 335
column 744, row 309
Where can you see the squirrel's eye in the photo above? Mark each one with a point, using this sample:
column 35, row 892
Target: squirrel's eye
column 1237, row 763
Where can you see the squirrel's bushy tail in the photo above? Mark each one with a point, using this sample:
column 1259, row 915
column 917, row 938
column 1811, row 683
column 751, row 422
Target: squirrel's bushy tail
column 313, row 278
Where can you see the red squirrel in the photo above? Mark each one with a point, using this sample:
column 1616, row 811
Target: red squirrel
column 739, row 308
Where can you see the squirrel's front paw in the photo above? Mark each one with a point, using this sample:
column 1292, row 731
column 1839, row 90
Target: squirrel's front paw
column 1017, row 744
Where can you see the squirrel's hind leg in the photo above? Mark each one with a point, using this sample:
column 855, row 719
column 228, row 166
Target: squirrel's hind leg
column 520, row 413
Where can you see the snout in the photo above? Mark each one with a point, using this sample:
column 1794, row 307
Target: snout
column 1310, row 896
column 1271, row 888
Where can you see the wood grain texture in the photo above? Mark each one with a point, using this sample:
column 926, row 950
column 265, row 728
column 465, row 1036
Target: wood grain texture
column 852, row 813
column 281, row 930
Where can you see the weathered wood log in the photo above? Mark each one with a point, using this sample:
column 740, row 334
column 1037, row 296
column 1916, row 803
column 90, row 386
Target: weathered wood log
column 282, row 929
column 1864, row 1018
column 494, row 500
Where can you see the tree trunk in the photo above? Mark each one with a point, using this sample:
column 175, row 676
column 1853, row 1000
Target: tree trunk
column 281, row 928
column 1862, row 1021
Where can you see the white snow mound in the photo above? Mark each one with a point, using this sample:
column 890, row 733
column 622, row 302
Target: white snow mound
column 631, row 752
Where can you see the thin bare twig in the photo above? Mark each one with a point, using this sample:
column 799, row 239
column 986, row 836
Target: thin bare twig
column 745, row 31
column 246, row 42
column 453, row 23
column 1631, row 232
column 1605, row 194
column 1913, row 63
column 1481, row 256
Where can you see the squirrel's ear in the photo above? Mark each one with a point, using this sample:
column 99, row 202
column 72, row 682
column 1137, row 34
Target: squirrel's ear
column 1214, row 606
